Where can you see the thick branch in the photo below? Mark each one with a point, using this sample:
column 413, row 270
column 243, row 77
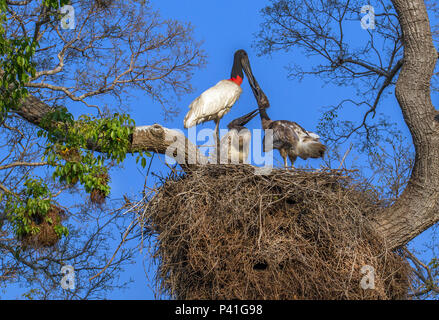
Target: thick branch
column 153, row 138
column 417, row 208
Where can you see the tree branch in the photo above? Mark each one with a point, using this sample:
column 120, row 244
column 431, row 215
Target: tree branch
column 152, row 138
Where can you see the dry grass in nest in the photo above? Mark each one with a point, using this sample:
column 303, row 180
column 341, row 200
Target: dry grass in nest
column 46, row 237
column 222, row 232
column 98, row 196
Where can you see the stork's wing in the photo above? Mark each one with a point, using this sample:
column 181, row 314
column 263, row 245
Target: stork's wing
column 313, row 135
column 212, row 103
column 290, row 135
column 284, row 135
column 309, row 145
column 301, row 133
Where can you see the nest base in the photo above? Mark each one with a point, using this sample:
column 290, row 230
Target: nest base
column 222, row 232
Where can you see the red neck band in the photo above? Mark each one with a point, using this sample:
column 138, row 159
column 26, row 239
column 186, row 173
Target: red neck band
column 237, row 80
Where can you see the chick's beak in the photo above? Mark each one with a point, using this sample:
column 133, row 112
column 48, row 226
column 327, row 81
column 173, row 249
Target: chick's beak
column 252, row 114
column 245, row 119
column 242, row 121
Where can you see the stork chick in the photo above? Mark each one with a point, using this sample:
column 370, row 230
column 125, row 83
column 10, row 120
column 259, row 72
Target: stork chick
column 236, row 143
column 291, row 139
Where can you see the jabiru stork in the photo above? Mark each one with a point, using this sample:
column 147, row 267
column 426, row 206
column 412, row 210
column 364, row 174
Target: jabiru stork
column 291, row 139
column 216, row 101
column 236, row 142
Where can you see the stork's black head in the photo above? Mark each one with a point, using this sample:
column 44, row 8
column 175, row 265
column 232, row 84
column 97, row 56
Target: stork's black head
column 242, row 63
column 239, row 58
column 240, row 122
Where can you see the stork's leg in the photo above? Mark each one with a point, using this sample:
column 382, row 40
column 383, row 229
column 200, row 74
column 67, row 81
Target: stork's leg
column 217, row 140
column 285, row 162
column 292, row 159
column 284, row 154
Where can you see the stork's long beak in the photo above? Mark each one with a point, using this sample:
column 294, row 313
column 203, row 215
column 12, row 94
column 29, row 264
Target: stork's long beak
column 242, row 121
column 248, row 72
column 260, row 96
column 249, row 116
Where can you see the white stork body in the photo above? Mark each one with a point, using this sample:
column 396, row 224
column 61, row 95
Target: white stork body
column 213, row 103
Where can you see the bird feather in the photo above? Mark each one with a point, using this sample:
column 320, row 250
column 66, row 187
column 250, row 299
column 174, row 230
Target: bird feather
column 213, row 103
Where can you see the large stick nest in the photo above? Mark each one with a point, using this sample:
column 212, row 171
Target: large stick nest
column 222, row 232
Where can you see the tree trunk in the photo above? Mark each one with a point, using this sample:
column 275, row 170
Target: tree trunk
column 417, row 207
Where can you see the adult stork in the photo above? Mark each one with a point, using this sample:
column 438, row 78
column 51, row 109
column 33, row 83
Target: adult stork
column 235, row 143
column 216, row 101
column 291, row 139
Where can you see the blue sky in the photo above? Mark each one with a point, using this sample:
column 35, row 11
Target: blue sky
column 225, row 26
